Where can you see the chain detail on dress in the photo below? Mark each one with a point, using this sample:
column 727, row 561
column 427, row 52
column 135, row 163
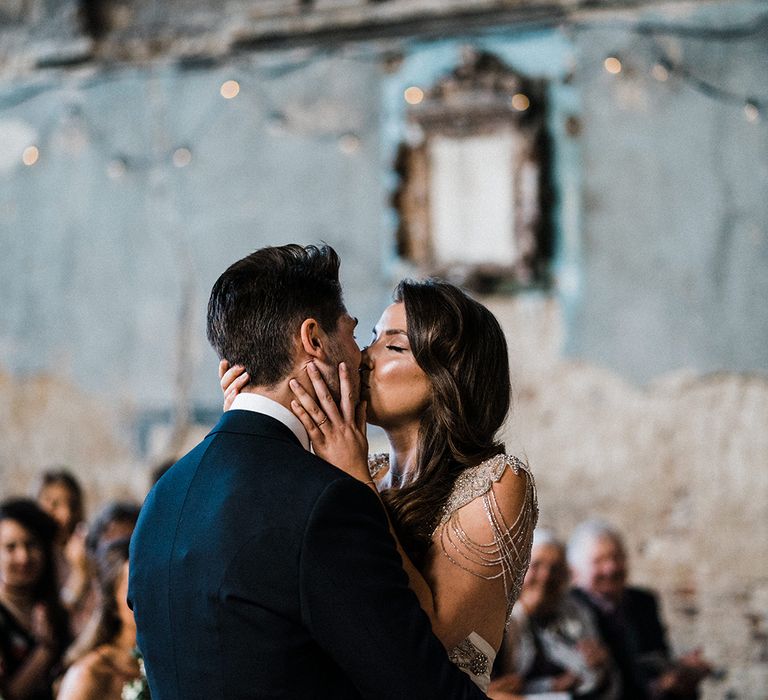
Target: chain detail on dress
column 506, row 556
column 508, row 553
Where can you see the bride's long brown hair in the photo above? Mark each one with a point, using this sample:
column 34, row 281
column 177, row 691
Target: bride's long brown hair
column 460, row 346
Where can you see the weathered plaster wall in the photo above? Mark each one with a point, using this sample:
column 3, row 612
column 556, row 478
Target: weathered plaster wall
column 110, row 249
column 641, row 389
column 674, row 245
column 678, row 465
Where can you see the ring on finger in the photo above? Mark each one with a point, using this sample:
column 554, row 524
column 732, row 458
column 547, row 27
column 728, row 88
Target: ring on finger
column 322, row 421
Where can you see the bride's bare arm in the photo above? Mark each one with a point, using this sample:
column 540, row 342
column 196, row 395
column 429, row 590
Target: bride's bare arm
column 479, row 555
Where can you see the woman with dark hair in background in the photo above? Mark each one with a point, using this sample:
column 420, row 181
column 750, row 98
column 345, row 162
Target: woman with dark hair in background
column 60, row 495
column 436, row 379
column 34, row 629
column 102, row 659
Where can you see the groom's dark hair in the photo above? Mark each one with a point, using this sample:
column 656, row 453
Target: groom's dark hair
column 258, row 304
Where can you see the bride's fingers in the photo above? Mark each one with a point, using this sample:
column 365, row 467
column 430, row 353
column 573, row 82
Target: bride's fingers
column 229, row 398
column 223, row 367
column 361, row 416
column 306, row 420
column 308, row 405
column 324, row 397
column 347, row 394
column 232, row 375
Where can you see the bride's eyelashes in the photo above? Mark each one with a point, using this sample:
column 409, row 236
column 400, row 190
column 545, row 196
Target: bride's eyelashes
column 396, row 348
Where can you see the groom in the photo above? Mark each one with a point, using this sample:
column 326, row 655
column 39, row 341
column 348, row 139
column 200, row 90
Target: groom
column 258, row 570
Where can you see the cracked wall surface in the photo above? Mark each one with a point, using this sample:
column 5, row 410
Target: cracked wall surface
column 678, row 465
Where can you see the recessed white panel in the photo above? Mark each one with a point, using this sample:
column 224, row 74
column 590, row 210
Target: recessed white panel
column 471, row 199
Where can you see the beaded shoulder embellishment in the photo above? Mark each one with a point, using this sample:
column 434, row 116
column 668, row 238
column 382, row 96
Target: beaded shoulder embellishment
column 506, row 553
column 477, row 481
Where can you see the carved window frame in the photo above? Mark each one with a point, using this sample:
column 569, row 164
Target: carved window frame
column 481, row 97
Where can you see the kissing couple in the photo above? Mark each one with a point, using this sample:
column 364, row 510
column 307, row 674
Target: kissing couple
column 277, row 560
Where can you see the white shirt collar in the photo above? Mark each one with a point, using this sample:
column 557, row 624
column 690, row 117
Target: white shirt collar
column 261, row 404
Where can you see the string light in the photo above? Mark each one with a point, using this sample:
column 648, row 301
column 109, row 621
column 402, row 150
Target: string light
column 520, row 102
column 413, row 95
column 30, row 156
column 751, row 111
column 116, row 168
column 612, row 65
column 662, row 69
column 660, row 72
column 349, row 144
column 182, row 157
column 752, row 107
column 230, row 89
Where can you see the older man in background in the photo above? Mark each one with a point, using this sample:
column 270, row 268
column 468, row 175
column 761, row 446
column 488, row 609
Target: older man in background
column 628, row 618
column 552, row 644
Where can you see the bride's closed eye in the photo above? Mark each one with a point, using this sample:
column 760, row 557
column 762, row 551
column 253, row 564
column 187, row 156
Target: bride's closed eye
column 396, row 348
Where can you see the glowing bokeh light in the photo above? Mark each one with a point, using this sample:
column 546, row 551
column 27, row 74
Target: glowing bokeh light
column 660, row 72
column 612, row 65
column 230, row 89
column 349, row 144
column 413, row 95
column 751, row 112
column 520, row 102
column 182, row 157
column 30, row 156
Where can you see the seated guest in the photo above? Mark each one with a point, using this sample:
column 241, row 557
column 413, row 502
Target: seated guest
column 102, row 658
column 34, row 630
column 628, row 618
column 551, row 644
column 59, row 494
column 113, row 522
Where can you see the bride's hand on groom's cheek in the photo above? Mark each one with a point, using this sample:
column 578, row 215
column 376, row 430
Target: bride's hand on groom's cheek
column 233, row 379
column 337, row 432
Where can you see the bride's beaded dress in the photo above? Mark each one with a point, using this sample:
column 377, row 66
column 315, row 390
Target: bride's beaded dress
column 506, row 555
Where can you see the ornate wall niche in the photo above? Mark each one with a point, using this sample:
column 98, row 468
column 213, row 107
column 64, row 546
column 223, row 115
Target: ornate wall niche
column 473, row 169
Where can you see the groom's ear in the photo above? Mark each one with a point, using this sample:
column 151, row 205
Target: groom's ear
column 313, row 338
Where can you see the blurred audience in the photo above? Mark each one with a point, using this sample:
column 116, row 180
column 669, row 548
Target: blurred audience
column 628, row 618
column 114, row 521
column 102, row 659
column 602, row 641
column 551, row 644
column 59, row 494
column 34, row 627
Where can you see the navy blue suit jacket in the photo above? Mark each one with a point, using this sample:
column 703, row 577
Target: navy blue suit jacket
column 258, row 570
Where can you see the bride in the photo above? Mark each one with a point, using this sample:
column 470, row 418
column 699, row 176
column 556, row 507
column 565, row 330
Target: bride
column 436, row 379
